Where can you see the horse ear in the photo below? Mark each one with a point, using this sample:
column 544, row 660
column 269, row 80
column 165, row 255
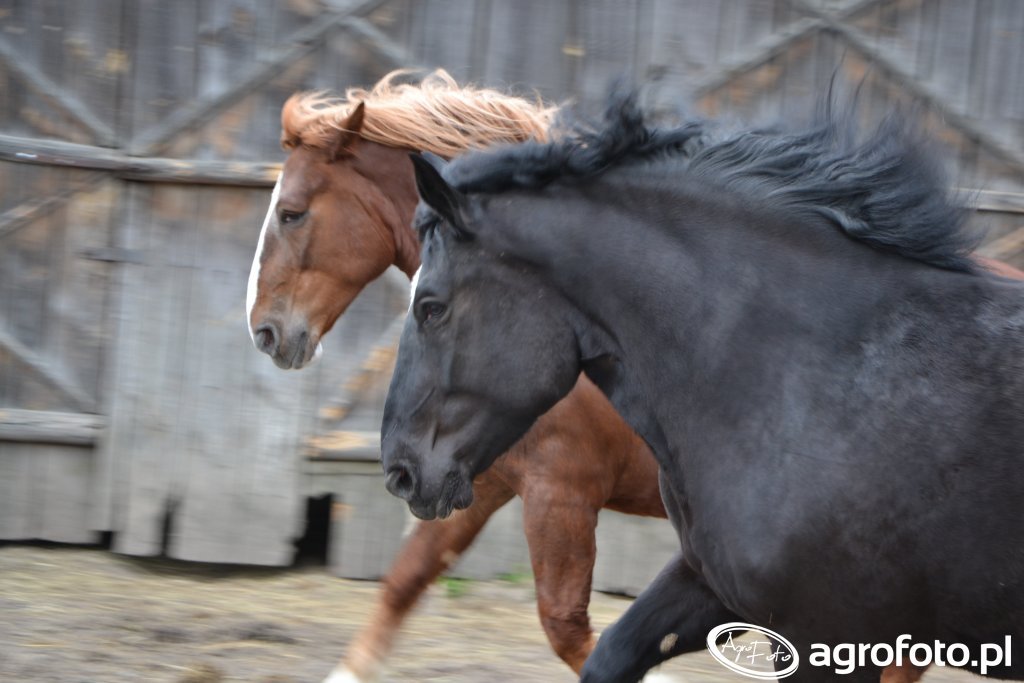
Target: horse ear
column 435, row 191
column 348, row 132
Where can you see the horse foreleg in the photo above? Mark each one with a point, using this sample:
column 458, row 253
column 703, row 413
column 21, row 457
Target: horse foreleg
column 670, row 617
column 560, row 535
column 430, row 549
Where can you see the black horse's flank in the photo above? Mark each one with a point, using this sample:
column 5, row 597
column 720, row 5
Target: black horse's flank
column 887, row 190
column 837, row 413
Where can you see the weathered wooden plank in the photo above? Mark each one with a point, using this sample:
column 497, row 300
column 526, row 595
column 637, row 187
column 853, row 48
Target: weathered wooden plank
column 38, row 260
column 678, row 48
column 443, row 34
column 146, row 422
column 789, row 27
column 44, row 492
column 24, row 213
column 45, row 369
column 630, row 551
column 42, row 426
column 29, row 379
column 249, row 486
column 368, row 525
column 926, row 60
column 609, row 42
column 349, row 57
column 76, row 289
column 924, row 93
column 754, row 24
column 77, row 297
column 162, row 46
column 17, row 475
column 98, row 64
column 214, row 469
column 226, row 93
column 1005, row 247
column 114, row 449
column 987, row 200
column 389, row 52
column 499, row 550
column 56, row 95
column 730, row 16
column 193, row 172
column 358, row 359
column 534, row 44
column 374, row 370
column 954, row 46
column 77, row 46
column 800, row 91
column 278, row 409
column 344, row 445
column 62, row 493
column 758, row 56
column 1000, row 49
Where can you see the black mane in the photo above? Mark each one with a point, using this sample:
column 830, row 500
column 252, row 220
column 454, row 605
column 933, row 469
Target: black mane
column 886, row 189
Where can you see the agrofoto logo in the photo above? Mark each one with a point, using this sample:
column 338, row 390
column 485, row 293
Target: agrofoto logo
column 765, row 655
column 755, row 651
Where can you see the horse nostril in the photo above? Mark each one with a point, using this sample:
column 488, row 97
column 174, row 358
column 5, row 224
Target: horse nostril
column 400, row 482
column 266, row 338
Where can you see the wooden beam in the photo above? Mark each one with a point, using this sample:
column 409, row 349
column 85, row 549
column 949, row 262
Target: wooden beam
column 191, row 172
column 1002, row 202
column 234, row 174
column 1006, row 246
column 25, row 213
column 380, row 358
column 860, row 42
column 774, row 46
column 40, row 426
column 71, row 155
column 385, row 48
column 296, row 46
column 56, row 95
column 46, row 371
column 343, row 445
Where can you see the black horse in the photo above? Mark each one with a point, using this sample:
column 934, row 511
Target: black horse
column 834, row 394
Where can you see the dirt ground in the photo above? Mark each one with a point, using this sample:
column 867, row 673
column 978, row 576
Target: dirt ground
column 73, row 615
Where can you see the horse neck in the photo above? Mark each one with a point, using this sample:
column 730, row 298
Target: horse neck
column 722, row 286
column 391, row 171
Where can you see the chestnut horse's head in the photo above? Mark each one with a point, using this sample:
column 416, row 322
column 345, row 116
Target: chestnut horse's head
column 342, row 208
column 334, row 225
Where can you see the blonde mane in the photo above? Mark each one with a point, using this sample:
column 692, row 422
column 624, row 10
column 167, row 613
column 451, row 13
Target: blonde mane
column 436, row 115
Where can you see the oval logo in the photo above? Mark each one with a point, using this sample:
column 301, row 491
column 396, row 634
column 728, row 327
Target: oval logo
column 749, row 657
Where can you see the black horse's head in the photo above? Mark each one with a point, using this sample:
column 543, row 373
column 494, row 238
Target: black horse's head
column 487, row 348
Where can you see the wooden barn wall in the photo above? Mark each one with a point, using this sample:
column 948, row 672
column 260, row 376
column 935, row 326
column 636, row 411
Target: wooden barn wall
column 130, row 397
column 122, row 296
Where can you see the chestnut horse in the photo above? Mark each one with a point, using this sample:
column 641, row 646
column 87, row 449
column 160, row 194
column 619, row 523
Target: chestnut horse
column 340, row 215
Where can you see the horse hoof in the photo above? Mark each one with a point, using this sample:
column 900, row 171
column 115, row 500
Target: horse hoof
column 345, row 675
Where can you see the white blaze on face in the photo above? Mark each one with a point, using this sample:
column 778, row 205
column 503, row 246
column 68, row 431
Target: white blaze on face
column 412, row 287
column 254, row 272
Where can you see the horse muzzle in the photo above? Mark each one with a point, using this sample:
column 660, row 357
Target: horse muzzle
column 290, row 349
column 428, row 500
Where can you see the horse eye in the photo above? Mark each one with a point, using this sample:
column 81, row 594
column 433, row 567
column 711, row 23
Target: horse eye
column 431, row 310
column 291, row 216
